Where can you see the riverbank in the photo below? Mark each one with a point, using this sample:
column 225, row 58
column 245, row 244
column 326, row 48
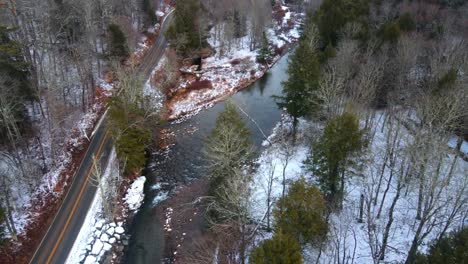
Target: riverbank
column 224, row 73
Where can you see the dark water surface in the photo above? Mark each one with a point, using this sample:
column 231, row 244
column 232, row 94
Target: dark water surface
column 184, row 161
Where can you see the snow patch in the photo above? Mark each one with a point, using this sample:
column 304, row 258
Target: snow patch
column 135, row 194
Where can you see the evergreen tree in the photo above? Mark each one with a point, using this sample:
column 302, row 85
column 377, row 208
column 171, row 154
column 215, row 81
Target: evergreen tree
column 15, row 87
column 341, row 138
column 118, row 47
column 131, row 148
column 281, row 249
column 264, row 53
column 13, row 65
column 302, row 213
column 240, row 25
column 452, row 249
column 129, row 119
column 333, row 15
column 304, row 73
column 150, row 13
column 228, row 147
column 186, row 27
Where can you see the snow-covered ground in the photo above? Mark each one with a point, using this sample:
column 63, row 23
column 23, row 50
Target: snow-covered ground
column 348, row 239
column 98, row 234
column 150, row 91
column 230, row 69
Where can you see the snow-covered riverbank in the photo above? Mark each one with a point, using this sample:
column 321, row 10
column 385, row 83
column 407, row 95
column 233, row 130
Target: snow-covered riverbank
column 226, row 71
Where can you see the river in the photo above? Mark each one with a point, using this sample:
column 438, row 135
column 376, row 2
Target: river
column 184, row 162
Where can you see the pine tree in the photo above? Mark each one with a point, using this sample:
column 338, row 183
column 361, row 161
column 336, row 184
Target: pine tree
column 240, row 25
column 302, row 213
column 228, row 147
column 13, row 65
column 281, row 249
column 15, row 88
column 118, row 48
column 342, row 137
column 131, row 148
column 452, row 249
column 150, row 13
column 186, row 27
column 304, row 73
column 334, row 14
column 129, row 121
column 264, row 53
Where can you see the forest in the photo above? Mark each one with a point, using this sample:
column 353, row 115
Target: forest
column 367, row 165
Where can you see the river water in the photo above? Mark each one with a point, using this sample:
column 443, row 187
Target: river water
column 184, row 162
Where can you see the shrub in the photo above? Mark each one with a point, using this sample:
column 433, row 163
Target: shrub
column 235, row 62
column 281, row 249
column 199, row 85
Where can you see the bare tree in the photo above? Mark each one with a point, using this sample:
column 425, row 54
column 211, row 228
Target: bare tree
column 331, row 92
column 8, row 176
column 232, row 212
column 436, row 195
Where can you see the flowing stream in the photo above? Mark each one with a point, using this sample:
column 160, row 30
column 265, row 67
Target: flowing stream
column 184, row 161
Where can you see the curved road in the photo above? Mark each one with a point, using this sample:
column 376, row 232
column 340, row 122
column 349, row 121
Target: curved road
column 61, row 235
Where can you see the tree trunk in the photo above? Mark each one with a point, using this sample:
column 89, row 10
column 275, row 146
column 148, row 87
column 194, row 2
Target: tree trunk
column 420, row 198
column 342, row 185
column 414, row 245
column 10, row 223
column 361, row 209
column 389, row 223
column 382, row 171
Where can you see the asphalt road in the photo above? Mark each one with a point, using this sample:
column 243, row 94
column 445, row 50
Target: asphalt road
column 61, row 235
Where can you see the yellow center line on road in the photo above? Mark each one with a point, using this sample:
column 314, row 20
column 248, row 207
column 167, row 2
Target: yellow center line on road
column 52, row 253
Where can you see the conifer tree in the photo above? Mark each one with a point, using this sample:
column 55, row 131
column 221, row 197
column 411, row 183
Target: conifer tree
column 264, row 52
column 334, row 14
column 240, row 25
column 186, row 27
column 131, row 147
column 129, row 119
column 341, row 138
column 118, row 47
column 281, row 249
column 304, row 73
column 13, row 65
column 447, row 250
column 302, row 213
column 15, row 87
column 150, row 12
